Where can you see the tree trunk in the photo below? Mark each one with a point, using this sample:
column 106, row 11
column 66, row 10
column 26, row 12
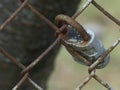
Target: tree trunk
column 27, row 37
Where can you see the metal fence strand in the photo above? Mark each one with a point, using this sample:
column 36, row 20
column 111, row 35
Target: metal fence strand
column 82, row 84
column 35, row 84
column 102, row 82
column 101, row 58
column 106, row 13
column 60, row 40
column 20, row 82
column 82, row 9
column 43, row 17
column 29, row 67
column 11, row 18
column 12, row 59
column 86, row 80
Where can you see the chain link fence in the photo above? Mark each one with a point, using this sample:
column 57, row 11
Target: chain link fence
column 60, row 31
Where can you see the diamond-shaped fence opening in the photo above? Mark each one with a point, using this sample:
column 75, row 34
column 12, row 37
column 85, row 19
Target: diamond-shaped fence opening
column 64, row 24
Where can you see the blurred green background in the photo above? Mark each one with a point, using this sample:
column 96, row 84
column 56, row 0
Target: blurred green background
column 68, row 74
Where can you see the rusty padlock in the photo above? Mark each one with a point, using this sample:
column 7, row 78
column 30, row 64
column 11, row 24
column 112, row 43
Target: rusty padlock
column 83, row 42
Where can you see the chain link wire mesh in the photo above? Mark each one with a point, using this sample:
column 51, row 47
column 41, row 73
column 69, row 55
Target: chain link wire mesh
column 59, row 35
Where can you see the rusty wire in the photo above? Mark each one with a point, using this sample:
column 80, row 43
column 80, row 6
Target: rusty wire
column 16, row 62
column 59, row 39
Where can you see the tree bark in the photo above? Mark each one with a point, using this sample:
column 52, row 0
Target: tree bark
column 27, row 37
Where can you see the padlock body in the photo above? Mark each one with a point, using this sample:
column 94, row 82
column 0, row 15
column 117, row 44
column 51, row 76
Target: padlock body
column 91, row 50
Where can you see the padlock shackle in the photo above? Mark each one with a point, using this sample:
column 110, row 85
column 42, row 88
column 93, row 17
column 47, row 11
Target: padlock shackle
column 66, row 19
